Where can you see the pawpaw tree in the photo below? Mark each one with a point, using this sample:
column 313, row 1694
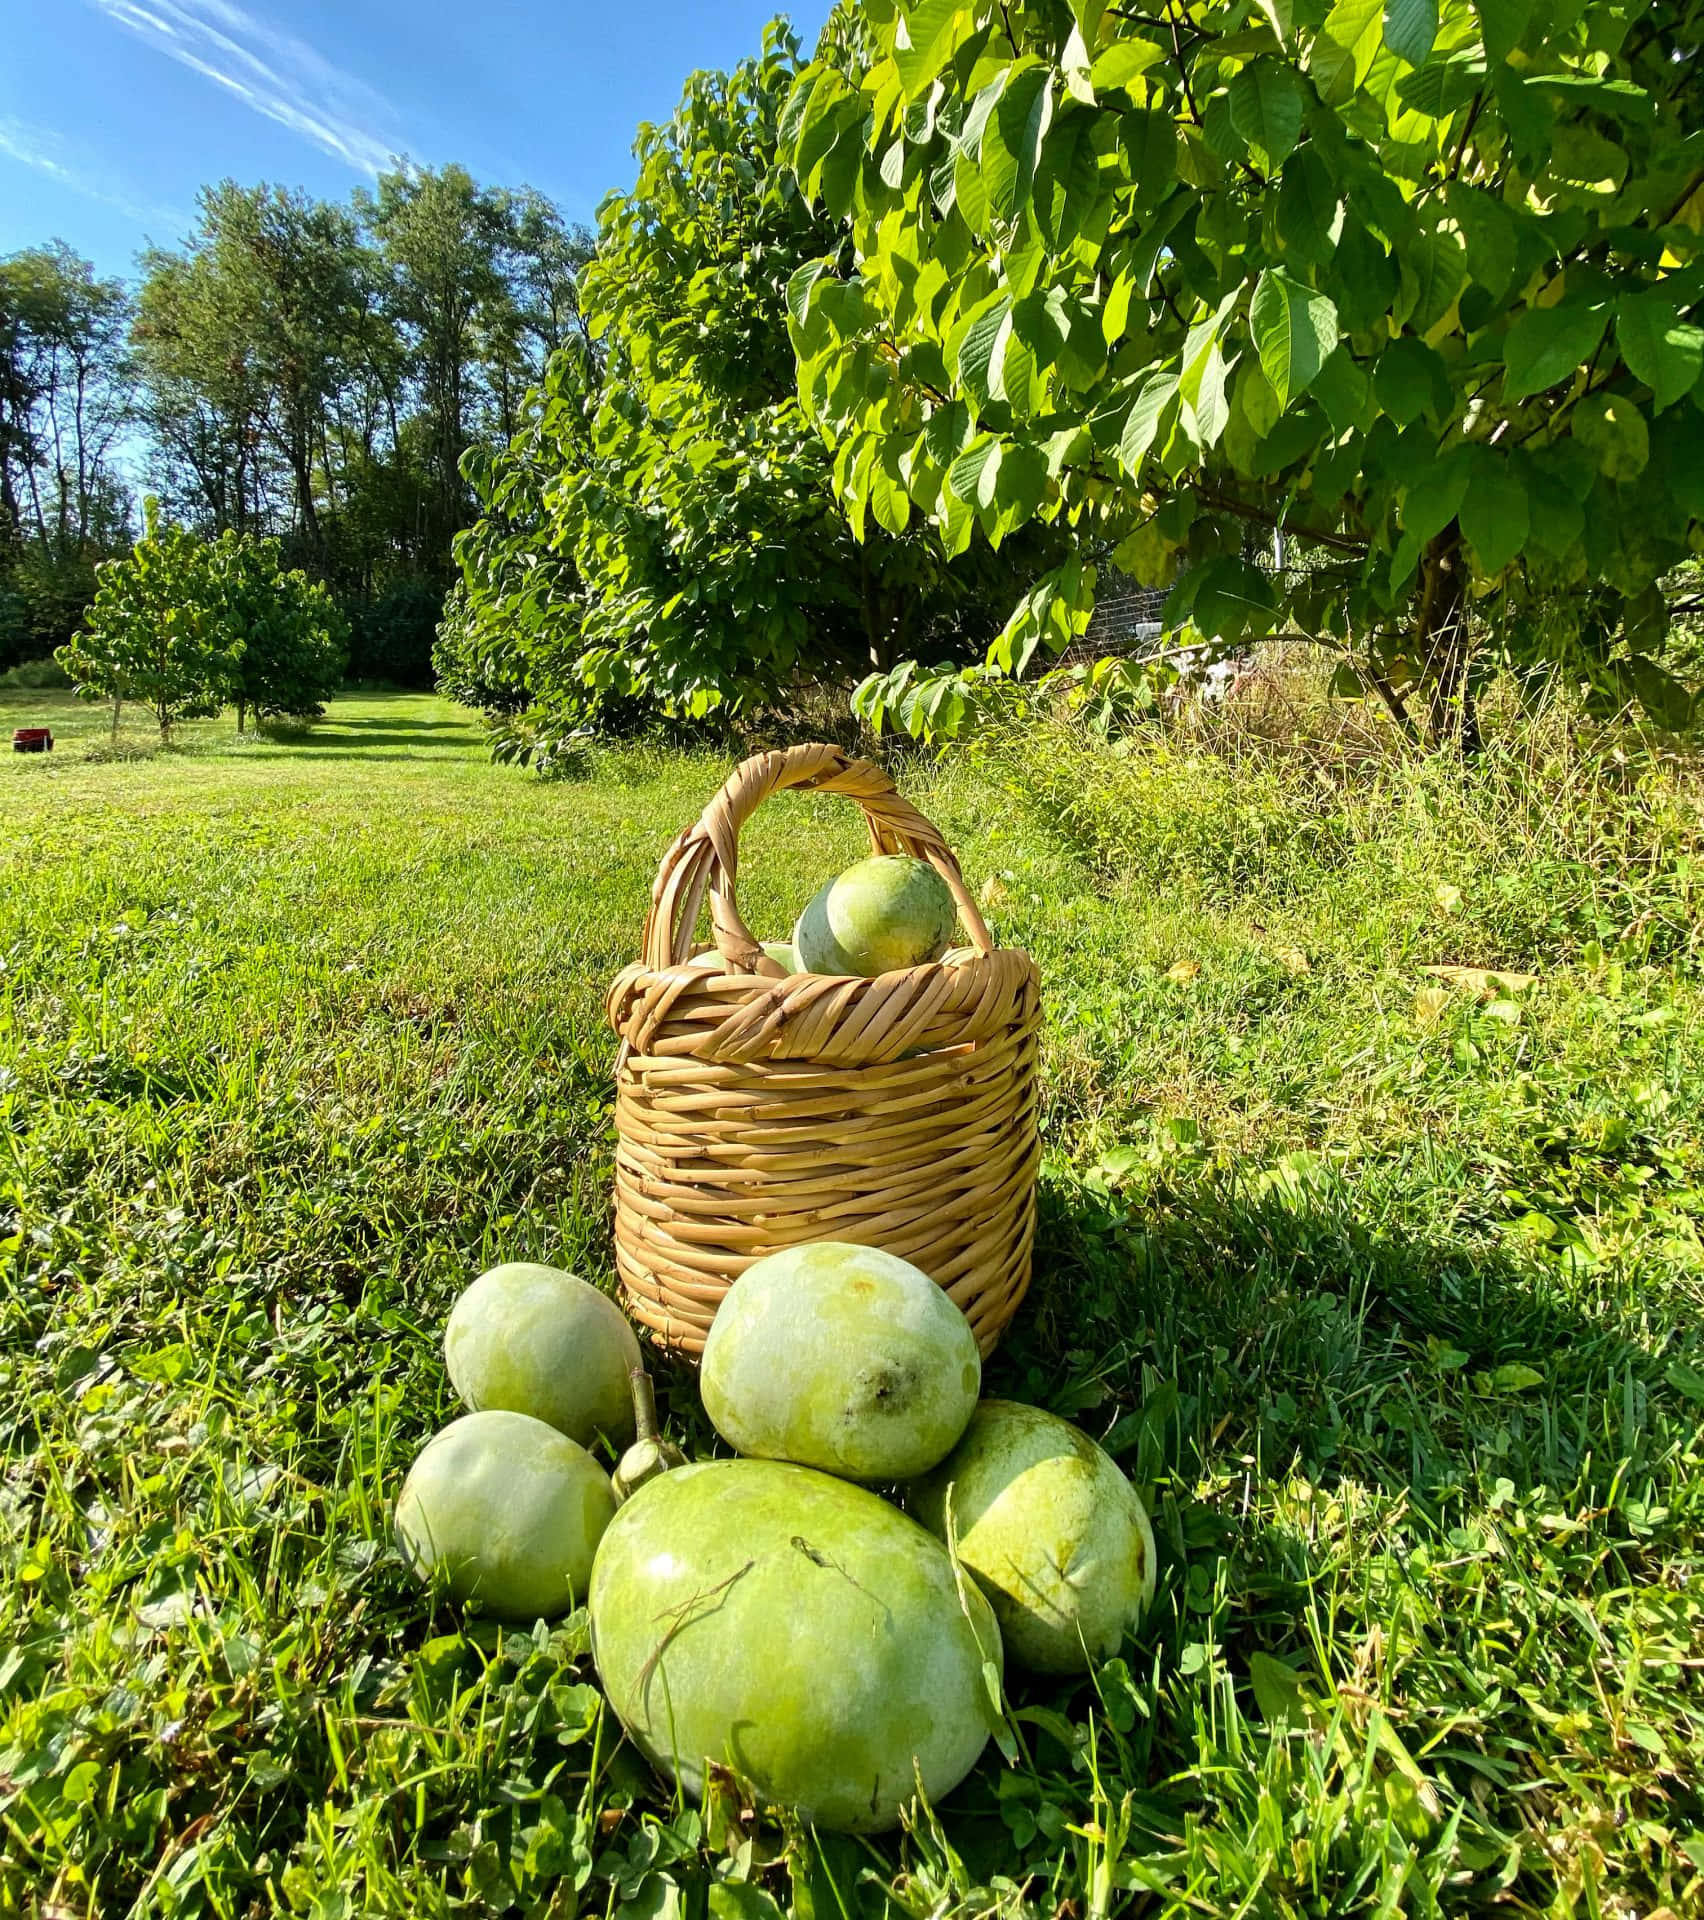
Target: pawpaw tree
column 154, row 632
column 1414, row 281
column 663, row 533
column 190, row 625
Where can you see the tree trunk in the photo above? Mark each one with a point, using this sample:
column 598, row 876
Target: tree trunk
column 1445, row 644
column 240, row 711
column 301, row 465
column 117, row 709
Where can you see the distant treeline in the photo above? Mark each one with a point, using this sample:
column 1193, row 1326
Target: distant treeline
column 295, row 368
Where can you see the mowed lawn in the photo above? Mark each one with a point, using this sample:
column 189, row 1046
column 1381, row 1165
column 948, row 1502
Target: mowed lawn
column 1383, row 1283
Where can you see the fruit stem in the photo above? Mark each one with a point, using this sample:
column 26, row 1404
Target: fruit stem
column 644, row 1404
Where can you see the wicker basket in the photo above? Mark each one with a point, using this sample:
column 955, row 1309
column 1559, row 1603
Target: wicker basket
column 756, row 1110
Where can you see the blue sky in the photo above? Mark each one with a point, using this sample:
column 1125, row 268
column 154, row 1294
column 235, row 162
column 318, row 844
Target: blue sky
column 113, row 112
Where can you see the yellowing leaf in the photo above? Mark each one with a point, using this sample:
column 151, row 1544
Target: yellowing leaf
column 1515, row 1378
column 1181, row 972
column 1429, row 1005
column 1487, row 983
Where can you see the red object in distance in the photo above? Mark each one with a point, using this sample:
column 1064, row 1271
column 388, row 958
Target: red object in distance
column 32, row 740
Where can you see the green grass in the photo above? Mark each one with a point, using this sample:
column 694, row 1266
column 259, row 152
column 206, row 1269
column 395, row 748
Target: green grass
column 1384, row 1287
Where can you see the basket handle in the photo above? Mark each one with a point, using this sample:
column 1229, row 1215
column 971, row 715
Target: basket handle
column 704, row 860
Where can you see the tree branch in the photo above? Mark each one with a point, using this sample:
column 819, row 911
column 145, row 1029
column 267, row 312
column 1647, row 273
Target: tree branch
column 1182, row 71
column 1467, row 129
column 1263, row 516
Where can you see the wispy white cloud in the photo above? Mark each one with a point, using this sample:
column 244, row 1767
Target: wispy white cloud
column 49, row 154
column 270, row 70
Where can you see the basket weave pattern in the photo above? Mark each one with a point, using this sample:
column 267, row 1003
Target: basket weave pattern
column 757, row 1110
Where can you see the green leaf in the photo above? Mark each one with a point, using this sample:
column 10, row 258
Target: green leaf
column 1255, row 398
column 831, row 110
column 1592, row 166
column 1075, row 64
column 1661, row 695
column 1441, row 86
column 1021, row 483
column 837, row 179
column 1115, row 311
column 948, row 430
column 1142, row 422
column 1012, row 139
column 1307, row 213
column 1659, row 349
column 1434, row 498
column 1173, row 214
column 930, row 31
column 1343, row 390
column 739, row 1899
column 1611, row 427
column 1088, row 15
column 970, row 196
column 1620, row 99
column 1502, row 22
column 1557, row 518
column 1199, row 343
column 801, row 286
column 1149, row 140
column 1067, row 183
column 1410, row 380
column 889, row 501
column 1146, row 555
column 1342, row 55
column 970, row 477
column 1689, row 1382
column 1364, row 277
column 1494, row 518
column 976, row 350
column 1280, row 1693
column 1294, row 438
column 1434, row 267
column 1232, row 599
column 1488, row 230
column 1295, row 332
column 1219, row 130
column 981, row 110
column 1431, row 502
column 1012, row 368
column 1546, row 345
column 797, row 109
column 1516, row 1377
column 1124, row 61
column 1207, row 405
column 1530, row 119
column 1410, row 27
column 1266, row 109
column 1682, row 448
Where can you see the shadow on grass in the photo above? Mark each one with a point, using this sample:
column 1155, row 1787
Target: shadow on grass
column 356, row 739
column 1285, row 1335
